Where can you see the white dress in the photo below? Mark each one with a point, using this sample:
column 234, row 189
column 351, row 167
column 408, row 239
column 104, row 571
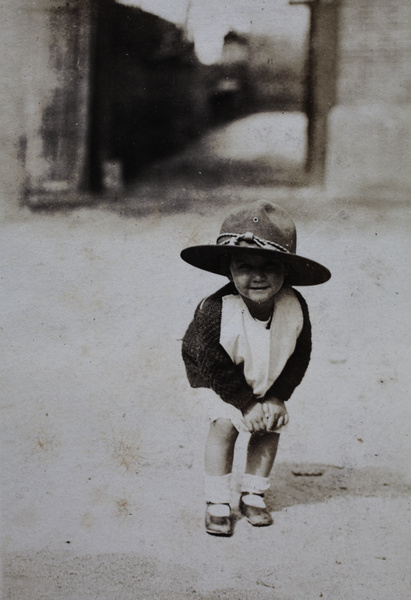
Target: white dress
column 263, row 347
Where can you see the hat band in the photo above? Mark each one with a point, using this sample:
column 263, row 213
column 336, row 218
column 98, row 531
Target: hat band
column 234, row 239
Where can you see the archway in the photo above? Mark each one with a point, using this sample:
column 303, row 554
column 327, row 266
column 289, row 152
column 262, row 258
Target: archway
column 152, row 95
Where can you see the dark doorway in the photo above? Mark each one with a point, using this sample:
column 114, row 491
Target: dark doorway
column 152, row 96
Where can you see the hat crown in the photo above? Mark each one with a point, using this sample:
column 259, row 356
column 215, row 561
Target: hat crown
column 265, row 220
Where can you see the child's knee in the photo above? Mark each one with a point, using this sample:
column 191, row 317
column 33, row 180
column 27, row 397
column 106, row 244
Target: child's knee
column 223, row 429
column 272, row 437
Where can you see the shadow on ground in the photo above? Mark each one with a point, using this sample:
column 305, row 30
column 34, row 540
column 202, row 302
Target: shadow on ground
column 118, row 577
column 294, row 484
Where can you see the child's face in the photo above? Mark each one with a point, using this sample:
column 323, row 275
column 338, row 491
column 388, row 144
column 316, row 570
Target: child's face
column 257, row 278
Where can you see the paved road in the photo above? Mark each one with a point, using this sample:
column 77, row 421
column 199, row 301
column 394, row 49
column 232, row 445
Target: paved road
column 102, row 491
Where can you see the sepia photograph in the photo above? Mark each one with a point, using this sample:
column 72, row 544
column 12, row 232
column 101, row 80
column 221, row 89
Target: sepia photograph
column 205, row 317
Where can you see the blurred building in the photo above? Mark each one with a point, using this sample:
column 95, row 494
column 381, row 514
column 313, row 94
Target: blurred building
column 369, row 127
column 81, row 88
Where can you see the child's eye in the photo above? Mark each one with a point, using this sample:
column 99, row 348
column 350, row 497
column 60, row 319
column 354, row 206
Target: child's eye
column 273, row 266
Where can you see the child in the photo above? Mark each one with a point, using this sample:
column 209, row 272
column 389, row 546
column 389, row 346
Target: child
column 249, row 342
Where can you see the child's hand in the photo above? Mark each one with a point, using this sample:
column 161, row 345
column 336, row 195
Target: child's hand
column 275, row 414
column 254, row 418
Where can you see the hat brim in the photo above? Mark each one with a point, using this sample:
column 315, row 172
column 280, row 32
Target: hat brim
column 300, row 270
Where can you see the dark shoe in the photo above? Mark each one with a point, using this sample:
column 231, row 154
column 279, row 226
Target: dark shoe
column 256, row 516
column 216, row 525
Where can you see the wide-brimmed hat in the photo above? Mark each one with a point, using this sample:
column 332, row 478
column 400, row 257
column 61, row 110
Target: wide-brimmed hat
column 263, row 228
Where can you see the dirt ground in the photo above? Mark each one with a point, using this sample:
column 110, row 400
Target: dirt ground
column 102, row 450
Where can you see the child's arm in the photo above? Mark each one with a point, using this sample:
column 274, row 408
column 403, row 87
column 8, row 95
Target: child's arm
column 296, row 366
column 208, row 364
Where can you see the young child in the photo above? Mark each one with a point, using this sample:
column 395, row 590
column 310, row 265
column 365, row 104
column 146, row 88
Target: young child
column 249, row 342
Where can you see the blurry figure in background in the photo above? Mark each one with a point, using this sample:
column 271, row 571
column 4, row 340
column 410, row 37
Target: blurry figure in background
column 230, row 95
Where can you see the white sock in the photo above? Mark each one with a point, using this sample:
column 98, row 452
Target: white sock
column 254, row 500
column 219, row 510
column 218, row 488
column 254, row 484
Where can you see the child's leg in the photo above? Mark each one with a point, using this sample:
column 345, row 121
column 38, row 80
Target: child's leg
column 219, row 450
column 261, row 453
column 219, row 455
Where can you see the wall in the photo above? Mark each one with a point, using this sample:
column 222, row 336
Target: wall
column 370, row 126
column 47, row 74
column 12, row 145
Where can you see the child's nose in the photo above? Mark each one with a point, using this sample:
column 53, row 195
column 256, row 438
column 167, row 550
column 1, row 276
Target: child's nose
column 259, row 274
